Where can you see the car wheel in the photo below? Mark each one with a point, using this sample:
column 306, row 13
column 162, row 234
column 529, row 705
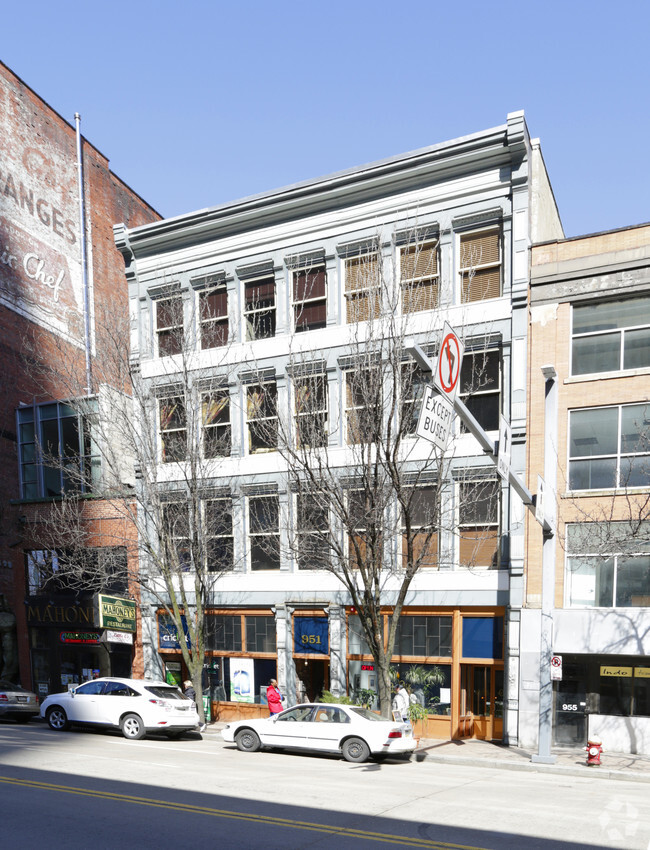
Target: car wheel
column 354, row 749
column 132, row 727
column 57, row 719
column 248, row 741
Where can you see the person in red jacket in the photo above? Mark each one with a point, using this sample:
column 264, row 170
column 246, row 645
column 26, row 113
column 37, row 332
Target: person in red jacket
column 274, row 697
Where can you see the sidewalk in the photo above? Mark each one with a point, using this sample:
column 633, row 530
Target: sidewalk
column 568, row 760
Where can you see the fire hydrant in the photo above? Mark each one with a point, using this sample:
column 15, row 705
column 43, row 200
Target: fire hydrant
column 594, row 749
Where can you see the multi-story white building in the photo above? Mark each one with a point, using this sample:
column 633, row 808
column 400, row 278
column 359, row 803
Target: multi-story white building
column 277, row 297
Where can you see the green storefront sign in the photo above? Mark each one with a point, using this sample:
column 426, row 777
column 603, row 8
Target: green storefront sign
column 112, row 612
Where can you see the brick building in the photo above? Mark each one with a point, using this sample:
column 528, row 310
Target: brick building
column 54, row 277
column 590, row 320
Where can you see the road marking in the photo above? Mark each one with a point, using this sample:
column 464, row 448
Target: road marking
column 343, row 831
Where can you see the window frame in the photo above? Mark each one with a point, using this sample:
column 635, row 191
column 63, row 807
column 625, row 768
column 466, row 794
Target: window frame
column 366, row 290
column 251, row 421
column 614, row 560
column 414, row 285
column 298, row 305
column 162, row 429
column 491, row 527
column 35, row 475
column 305, row 531
column 465, row 290
column 210, row 323
column 222, row 429
column 174, row 331
column 228, row 535
column 259, row 309
column 356, row 410
column 270, row 534
column 618, row 457
column 434, row 538
column 487, row 391
column 307, row 412
column 622, row 330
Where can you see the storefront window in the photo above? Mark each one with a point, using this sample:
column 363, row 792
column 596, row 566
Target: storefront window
column 357, row 644
column 427, row 636
column 430, row 684
column 260, row 634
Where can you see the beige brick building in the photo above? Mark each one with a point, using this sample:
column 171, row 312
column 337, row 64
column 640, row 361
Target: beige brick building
column 590, row 319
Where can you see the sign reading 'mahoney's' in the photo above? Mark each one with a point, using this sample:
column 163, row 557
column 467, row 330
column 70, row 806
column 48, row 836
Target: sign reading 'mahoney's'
column 112, row 612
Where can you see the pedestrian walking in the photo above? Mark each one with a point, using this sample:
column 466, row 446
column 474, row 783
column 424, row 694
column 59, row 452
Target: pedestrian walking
column 274, row 697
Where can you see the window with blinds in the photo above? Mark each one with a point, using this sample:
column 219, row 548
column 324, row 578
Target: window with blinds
column 362, row 288
column 419, row 277
column 310, row 299
column 213, row 306
column 169, row 326
column 480, row 265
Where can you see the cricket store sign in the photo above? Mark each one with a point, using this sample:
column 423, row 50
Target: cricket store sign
column 40, row 256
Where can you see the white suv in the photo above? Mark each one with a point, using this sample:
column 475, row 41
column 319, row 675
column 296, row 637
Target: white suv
column 136, row 706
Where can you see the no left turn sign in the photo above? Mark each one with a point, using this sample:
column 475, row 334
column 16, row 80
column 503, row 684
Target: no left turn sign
column 450, row 358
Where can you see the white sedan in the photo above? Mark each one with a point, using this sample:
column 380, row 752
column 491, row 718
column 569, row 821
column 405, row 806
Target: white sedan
column 353, row 731
column 135, row 706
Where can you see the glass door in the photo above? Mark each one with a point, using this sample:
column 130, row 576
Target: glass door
column 481, row 702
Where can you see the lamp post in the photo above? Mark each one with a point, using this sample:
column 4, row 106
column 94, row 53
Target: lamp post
column 543, row 755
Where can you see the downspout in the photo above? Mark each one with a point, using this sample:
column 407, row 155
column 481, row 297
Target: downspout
column 84, row 256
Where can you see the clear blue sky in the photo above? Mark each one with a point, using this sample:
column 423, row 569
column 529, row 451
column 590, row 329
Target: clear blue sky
column 197, row 103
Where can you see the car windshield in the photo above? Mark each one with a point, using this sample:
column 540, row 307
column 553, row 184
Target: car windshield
column 165, row 692
column 366, row 714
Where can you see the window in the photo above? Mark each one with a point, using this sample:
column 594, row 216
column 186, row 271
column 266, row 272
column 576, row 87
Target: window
column 480, row 265
column 260, row 634
column 173, row 428
column 414, row 380
column 262, row 417
column 213, row 311
column 223, row 633
column 310, row 394
column 169, row 325
column 425, row 636
column 424, row 518
column 609, row 447
column 93, row 569
column 480, row 380
column 264, row 532
column 419, row 277
column 362, row 287
column 57, row 451
column 215, row 406
column 611, row 336
column 363, row 410
column 364, row 524
column 176, row 535
column 312, row 528
column 259, row 309
column 310, row 299
column 218, row 525
column 610, row 572
column 478, row 527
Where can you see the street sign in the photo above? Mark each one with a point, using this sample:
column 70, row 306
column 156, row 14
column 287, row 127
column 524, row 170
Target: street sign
column 505, row 447
column 545, row 505
column 446, row 376
column 436, row 417
column 556, row 668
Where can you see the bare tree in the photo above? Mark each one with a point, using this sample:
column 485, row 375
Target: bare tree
column 370, row 502
column 144, row 479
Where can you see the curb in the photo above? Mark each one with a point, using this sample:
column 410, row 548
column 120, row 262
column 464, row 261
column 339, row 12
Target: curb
column 565, row 770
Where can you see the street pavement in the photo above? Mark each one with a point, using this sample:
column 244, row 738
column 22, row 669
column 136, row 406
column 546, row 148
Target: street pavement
column 568, row 760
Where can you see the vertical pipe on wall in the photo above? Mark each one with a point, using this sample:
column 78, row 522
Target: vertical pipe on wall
column 84, row 256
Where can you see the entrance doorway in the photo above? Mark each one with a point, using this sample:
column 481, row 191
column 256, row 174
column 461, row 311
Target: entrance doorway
column 481, row 702
column 312, row 678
